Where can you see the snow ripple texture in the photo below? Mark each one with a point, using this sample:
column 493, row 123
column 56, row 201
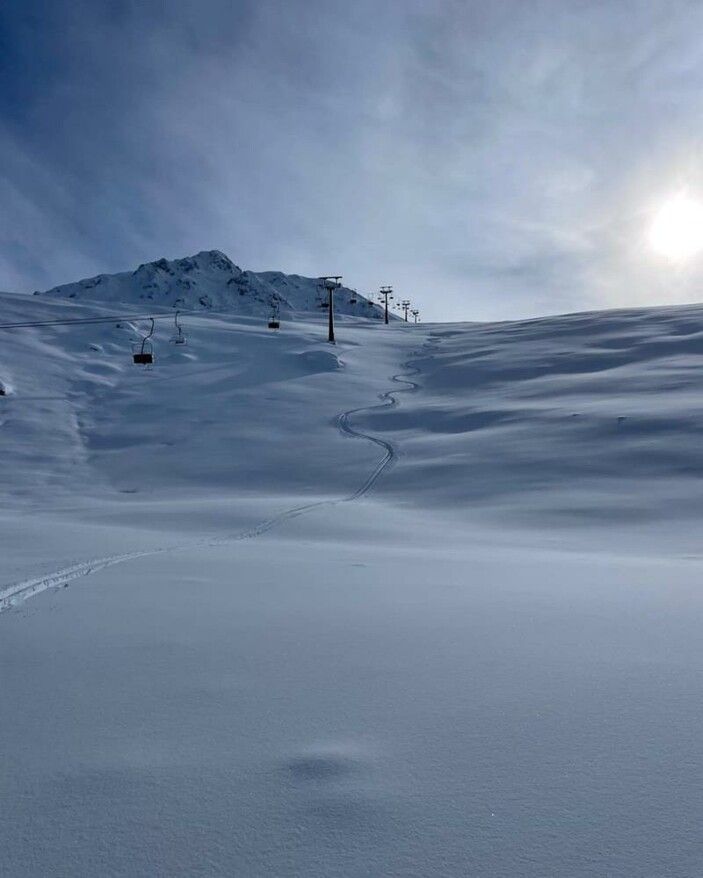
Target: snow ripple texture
column 18, row 592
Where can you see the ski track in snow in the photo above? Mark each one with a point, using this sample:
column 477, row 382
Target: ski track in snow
column 16, row 593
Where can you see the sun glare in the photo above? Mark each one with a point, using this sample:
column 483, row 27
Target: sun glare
column 677, row 229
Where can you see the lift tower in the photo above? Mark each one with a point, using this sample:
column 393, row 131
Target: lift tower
column 331, row 283
column 386, row 293
column 415, row 312
column 405, row 304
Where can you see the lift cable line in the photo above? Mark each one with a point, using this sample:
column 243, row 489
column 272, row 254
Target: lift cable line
column 386, row 293
column 78, row 321
column 142, row 350
column 331, row 283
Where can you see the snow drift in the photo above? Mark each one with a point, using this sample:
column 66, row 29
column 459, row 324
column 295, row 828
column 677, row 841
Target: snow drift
column 488, row 665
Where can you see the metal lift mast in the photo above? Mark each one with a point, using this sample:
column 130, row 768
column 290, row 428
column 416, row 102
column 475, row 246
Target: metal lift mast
column 331, row 283
column 386, row 293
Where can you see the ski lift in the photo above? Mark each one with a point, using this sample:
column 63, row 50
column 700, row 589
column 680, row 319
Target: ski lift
column 352, row 298
column 178, row 337
column 143, row 354
column 274, row 322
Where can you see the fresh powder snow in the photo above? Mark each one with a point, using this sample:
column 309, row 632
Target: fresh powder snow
column 422, row 603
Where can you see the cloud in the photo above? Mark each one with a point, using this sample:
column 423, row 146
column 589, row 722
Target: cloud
column 488, row 159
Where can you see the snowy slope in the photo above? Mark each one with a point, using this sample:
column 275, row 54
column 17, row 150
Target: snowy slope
column 211, row 281
column 568, row 422
column 587, row 419
column 223, row 432
column 583, row 418
column 487, row 664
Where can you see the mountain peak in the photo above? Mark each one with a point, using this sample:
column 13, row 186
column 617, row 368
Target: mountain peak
column 209, row 280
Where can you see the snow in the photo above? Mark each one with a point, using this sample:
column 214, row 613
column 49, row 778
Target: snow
column 424, row 602
column 211, row 281
column 585, row 420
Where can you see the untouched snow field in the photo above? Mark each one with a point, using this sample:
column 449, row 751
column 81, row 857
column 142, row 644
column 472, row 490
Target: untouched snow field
column 458, row 635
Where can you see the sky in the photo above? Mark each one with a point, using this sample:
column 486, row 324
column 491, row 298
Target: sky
column 490, row 160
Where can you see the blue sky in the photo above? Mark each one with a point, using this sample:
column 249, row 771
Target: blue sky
column 491, row 160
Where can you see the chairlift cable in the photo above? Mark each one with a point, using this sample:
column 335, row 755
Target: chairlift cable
column 84, row 320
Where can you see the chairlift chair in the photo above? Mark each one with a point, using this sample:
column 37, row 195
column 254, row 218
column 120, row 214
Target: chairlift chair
column 274, row 322
column 143, row 354
column 178, row 337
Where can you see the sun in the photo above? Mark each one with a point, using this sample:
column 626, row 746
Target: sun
column 677, row 229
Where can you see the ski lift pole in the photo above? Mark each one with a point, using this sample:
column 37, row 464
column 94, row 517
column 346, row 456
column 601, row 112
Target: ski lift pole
column 386, row 293
column 331, row 283
column 405, row 306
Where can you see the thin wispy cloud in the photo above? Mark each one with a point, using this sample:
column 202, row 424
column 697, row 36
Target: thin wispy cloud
column 491, row 160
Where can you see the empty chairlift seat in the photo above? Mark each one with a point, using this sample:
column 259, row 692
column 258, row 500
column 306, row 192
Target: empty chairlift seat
column 143, row 358
column 179, row 336
column 143, row 351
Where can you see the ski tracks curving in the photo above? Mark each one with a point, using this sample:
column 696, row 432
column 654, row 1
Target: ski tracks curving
column 18, row 592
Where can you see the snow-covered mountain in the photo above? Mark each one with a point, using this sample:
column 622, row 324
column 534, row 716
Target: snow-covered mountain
column 211, row 281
